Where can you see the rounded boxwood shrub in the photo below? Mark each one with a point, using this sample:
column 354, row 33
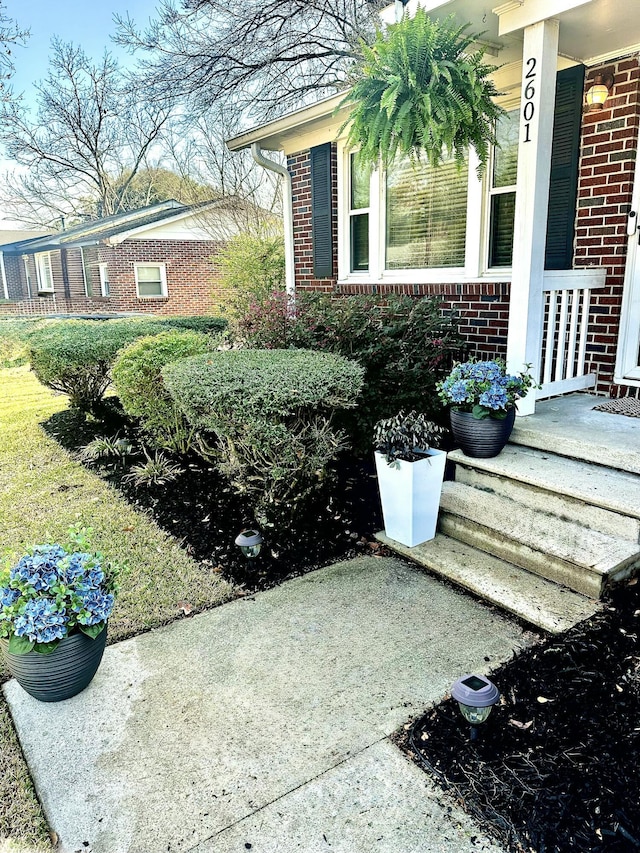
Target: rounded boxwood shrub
column 266, row 417
column 75, row 356
column 138, row 381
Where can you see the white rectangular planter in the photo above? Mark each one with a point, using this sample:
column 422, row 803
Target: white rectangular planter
column 410, row 495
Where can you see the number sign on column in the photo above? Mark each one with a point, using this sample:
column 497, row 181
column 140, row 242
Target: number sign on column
column 529, row 108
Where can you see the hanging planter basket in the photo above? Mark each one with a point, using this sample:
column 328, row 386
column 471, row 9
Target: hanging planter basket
column 421, row 90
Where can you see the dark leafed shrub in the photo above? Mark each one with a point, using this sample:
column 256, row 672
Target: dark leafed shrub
column 405, row 345
column 138, row 381
column 75, row 356
column 266, row 417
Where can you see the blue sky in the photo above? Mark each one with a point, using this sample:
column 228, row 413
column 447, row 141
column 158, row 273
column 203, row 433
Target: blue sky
column 85, row 22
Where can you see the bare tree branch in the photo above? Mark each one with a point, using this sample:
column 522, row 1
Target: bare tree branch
column 265, row 57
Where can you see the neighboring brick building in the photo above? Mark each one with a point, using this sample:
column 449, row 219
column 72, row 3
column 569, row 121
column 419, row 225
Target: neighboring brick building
column 479, row 244
column 160, row 260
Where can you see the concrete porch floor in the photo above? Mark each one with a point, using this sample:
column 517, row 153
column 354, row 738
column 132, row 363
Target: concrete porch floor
column 569, row 426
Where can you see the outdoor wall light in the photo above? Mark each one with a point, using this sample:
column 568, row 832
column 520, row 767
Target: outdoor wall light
column 249, row 542
column 599, row 91
column 476, row 696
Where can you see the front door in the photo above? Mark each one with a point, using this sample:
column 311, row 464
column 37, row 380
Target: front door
column 628, row 357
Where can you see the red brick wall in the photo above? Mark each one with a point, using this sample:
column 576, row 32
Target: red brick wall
column 193, row 280
column 608, row 151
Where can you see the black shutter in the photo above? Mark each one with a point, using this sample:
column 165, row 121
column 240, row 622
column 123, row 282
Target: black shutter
column 563, row 186
column 321, row 211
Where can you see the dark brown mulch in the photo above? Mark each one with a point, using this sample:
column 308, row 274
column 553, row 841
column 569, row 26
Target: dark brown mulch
column 205, row 514
column 556, row 768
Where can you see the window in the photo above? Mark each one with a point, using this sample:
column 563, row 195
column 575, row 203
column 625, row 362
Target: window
column 86, row 274
column 502, row 190
column 151, row 280
column 103, row 270
column 43, row 272
column 359, row 214
column 27, row 275
column 426, row 215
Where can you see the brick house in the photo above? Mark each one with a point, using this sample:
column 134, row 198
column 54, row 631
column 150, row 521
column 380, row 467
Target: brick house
column 159, row 259
column 560, row 191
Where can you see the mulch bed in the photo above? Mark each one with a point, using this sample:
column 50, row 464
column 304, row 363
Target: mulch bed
column 205, row 515
column 556, row 767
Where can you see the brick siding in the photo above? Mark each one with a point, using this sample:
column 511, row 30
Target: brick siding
column 193, row 280
column 608, row 151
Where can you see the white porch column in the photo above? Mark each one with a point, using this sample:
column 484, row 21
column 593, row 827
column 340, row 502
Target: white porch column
column 540, row 57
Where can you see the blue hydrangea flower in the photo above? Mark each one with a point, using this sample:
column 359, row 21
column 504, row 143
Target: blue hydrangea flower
column 458, row 391
column 8, row 596
column 41, row 621
column 40, row 569
column 99, row 606
column 77, row 575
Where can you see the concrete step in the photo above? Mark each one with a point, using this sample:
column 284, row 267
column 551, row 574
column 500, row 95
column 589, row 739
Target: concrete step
column 569, row 426
column 599, row 498
column 559, row 550
column 540, row 602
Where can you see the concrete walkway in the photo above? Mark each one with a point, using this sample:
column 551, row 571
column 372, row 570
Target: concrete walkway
column 263, row 724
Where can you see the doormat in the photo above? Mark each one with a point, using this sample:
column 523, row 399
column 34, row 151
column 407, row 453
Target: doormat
column 628, row 406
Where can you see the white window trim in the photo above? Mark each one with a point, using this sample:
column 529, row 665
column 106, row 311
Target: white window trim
column 103, row 272
column 476, row 263
column 27, row 275
column 163, row 278
column 44, row 258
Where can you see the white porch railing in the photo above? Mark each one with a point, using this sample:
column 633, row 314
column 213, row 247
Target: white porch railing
column 567, row 302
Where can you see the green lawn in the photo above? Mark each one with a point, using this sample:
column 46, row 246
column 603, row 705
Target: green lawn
column 43, row 490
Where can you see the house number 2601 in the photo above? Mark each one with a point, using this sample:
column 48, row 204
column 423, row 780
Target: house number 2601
column 529, row 92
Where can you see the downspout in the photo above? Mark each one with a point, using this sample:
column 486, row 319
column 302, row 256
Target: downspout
column 287, row 202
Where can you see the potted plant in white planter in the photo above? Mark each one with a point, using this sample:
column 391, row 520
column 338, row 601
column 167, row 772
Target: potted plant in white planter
column 410, row 471
column 54, row 606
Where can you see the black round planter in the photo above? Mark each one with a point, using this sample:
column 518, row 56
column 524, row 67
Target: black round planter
column 484, row 438
column 63, row 673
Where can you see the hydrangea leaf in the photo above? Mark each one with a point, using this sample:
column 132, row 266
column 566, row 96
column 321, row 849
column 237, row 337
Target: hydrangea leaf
column 20, row 645
column 92, row 630
column 480, row 413
column 46, row 648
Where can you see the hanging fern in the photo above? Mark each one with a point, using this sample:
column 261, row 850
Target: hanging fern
column 420, row 90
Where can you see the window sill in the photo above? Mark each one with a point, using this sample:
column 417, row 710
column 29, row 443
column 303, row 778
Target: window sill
column 441, row 276
column 153, row 298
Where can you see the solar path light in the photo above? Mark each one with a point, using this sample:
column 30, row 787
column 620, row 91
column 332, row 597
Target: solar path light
column 250, row 543
column 476, row 696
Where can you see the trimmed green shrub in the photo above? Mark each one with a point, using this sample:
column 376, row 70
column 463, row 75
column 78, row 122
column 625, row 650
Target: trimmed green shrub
column 265, row 417
column 138, row 381
column 405, row 345
column 75, row 356
column 14, row 340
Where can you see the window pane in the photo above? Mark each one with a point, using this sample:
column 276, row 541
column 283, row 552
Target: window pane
column 148, row 273
column 360, row 242
column 505, row 157
column 360, row 177
column 426, row 215
column 503, row 208
column 150, row 288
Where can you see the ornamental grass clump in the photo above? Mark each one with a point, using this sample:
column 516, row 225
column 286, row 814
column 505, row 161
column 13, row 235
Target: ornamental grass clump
column 484, row 388
column 55, row 591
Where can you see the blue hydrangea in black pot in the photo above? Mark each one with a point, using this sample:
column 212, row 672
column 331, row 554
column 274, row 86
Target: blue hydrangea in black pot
column 483, row 396
column 54, row 606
